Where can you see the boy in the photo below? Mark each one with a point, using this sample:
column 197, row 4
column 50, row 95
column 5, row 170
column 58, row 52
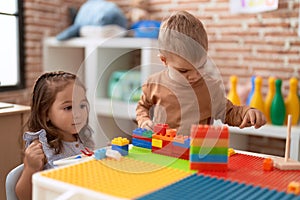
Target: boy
column 184, row 94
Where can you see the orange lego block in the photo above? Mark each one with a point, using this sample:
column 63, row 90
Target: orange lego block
column 209, row 142
column 208, row 166
column 171, row 133
column 268, row 164
column 294, row 187
column 162, row 137
column 206, row 131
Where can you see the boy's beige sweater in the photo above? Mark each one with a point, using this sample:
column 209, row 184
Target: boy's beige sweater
column 181, row 105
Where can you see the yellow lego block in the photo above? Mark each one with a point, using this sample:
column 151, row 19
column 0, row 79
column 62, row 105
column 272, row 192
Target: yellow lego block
column 127, row 178
column 157, row 143
column 120, row 141
column 230, row 152
column 294, row 187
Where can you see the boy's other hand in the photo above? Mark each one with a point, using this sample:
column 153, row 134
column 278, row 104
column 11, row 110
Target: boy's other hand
column 148, row 125
column 254, row 118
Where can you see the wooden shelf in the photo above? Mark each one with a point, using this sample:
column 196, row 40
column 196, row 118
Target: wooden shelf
column 115, row 108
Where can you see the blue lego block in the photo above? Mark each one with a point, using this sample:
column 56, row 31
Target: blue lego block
column 123, row 150
column 141, row 143
column 209, row 158
column 185, row 145
column 100, row 154
column 139, row 131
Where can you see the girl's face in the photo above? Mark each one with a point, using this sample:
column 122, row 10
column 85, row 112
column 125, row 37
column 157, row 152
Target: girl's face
column 69, row 112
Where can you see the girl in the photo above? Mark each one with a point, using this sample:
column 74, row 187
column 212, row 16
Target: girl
column 58, row 125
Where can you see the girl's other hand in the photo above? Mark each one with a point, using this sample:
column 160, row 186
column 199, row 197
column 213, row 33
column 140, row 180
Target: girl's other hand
column 34, row 158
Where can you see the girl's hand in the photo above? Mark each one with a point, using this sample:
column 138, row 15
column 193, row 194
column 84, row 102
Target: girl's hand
column 34, row 158
column 254, row 118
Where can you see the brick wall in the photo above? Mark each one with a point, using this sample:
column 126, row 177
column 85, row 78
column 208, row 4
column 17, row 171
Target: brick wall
column 250, row 44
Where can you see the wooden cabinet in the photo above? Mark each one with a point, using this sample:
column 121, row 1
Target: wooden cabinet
column 12, row 121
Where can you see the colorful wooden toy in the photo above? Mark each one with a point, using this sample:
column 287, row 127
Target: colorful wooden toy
column 233, row 95
column 257, row 98
column 252, row 91
column 269, row 97
column 277, row 111
column 292, row 101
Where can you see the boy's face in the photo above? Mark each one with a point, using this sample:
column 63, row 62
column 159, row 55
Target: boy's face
column 69, row 112
column 183, row 67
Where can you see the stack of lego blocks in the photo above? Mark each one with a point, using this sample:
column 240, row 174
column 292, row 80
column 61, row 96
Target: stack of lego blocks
column 209, row 148
column 165, row 141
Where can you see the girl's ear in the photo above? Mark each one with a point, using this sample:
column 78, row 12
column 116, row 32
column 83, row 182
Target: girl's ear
column 163, row 59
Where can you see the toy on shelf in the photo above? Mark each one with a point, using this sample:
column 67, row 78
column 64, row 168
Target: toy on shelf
column 269, row 97
column 98, row 13
column 209, row 148
column 277, row 111
column 138, row 11
column 286, row 163
column 232, row 95
column 257, row 98
column 292, row 101
column 252, row 90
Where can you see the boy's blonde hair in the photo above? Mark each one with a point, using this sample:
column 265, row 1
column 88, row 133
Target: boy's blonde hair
column 183, row 34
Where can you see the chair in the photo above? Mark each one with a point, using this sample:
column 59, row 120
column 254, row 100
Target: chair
column 11, row 181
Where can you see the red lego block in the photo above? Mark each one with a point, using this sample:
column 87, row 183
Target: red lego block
column 180, row 150
column 208, row 166
column 160, row 129
column 142, row 138
column 206, row 131
column 185, row 155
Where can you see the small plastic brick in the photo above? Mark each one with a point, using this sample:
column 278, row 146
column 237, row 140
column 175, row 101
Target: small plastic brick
column 139, row 131
column 120, row 141
column 122, row 149
column 268, row 164
column 113, row 154
column 100, row 154
column 160, row 129
column 157, row 143
column 147, row 134
column 171, row 133
column 294, row 187
column 230, row 152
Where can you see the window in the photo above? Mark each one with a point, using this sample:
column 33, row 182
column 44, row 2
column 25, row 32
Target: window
column 11, row 48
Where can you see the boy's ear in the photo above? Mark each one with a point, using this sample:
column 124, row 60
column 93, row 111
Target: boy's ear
column 163, row 59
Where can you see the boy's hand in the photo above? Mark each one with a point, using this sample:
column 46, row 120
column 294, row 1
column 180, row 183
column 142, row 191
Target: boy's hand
column 34, row 156
column 147, row 125
column 254, row 118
